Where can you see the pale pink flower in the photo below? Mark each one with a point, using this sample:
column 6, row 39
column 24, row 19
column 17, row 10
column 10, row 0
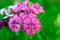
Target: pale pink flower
column 26, row 2
column 37, row 8
column 16, row 9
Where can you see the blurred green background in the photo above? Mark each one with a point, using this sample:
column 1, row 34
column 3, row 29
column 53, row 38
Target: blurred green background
column 50, row 21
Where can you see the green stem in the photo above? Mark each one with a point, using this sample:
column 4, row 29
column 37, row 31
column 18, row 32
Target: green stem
column 30, row 38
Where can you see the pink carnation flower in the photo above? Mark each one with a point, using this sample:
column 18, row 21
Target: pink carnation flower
column 24, row 15
column 27, row 18
column 14, row 23
column 26, row 2
column 36, row 8
column 31, row 24
column 21, row 6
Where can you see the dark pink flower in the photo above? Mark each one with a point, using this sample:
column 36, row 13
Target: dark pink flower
column 2, row 23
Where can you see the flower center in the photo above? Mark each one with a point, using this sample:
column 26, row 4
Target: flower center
column 31, row 25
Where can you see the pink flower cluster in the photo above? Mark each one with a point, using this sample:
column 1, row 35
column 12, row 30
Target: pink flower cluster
column 26, row 18
column 14, row 23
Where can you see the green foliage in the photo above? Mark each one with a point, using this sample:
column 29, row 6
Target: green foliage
column 5, row 3
column 50, row 29
column 1, row 17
